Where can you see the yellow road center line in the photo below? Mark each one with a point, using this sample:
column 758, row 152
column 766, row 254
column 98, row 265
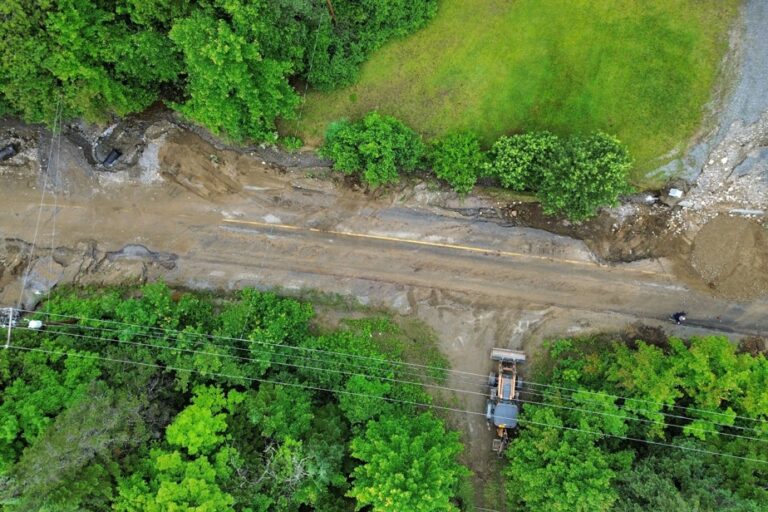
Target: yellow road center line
column 457, row 247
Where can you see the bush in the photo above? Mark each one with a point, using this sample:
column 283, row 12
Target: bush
column 457, row 159
column 573, row 177
column 593, row 173
column 291, row 143
column 518, row 162
column 377, row 147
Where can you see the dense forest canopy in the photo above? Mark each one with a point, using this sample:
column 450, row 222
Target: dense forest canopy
column 126, row 403
column 145, row 398
column 230, row 65
column 668, row 426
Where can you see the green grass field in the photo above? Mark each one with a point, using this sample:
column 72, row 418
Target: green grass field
column 639, row 69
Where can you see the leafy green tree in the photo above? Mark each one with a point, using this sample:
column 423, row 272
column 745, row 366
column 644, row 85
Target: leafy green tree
column 81, row 53
column 200, row 427
column 592, row 174
column 520, row 161
column 551, row 469
column 280, row 411
column 231, row 86
column 159, row 13
column 227, row 64
column 648, row 377
column 37, row 386
column 177, row 483
column 377, row 147
column 72, row 465
column 190, row 477
column 679, row 481
column 292, row 459
column 457, row 159
column 141, row 440
column 686, row 394
column 360, row 27
column 409, row 463
column 364, row 401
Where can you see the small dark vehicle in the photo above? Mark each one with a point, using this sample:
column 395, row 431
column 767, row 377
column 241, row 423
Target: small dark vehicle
column 679, row 317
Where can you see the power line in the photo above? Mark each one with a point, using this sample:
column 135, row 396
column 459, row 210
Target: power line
column 250, row 349
column 629, row 399
column 56, row 179
column 642, row 420
column 639, row 411
column 391, row 379
column 388, row 399
column 57, row 114
column 270, row 361
column 164, row 331
column 25, row 277
column 422, row 368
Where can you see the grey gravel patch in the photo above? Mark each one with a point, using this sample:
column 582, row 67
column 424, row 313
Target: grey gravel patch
column 747, row 100
column 729, row 167
column 139, row 252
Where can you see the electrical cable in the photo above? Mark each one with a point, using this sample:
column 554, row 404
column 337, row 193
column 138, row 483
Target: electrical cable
column 390, row 379
column 415, row 365
column 25, row 277
column 392, row 400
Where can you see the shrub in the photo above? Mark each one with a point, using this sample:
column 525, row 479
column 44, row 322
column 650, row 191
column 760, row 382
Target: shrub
column 592, row 174
column 291, row 143
column 518, row 161
column 457, row 159
column 377, row 147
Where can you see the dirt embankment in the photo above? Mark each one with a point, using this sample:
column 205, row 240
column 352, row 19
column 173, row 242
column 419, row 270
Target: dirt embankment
column 195, row 165
column 729, row 256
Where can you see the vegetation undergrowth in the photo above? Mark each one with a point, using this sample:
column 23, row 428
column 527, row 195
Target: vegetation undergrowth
column 640, row 70
column 146, row 399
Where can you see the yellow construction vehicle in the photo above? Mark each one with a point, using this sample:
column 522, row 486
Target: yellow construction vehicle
column 503, row 404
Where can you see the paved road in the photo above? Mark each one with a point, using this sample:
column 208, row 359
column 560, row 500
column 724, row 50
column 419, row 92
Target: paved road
column 253, row 239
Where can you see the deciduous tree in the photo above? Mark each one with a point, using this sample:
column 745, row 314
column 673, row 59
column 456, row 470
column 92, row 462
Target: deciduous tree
column 409, row 463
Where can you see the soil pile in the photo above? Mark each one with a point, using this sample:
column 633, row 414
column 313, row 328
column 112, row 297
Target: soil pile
column 730, row 255
column 198, row 167
column 630, row 233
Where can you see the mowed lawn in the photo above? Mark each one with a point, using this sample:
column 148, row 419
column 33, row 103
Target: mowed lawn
column 640, row 69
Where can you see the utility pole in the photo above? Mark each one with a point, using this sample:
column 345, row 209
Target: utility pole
column 10, row 326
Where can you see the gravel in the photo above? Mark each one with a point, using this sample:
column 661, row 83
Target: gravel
column 729, row 166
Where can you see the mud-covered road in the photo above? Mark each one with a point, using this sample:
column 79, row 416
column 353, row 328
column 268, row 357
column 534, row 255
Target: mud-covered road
column 300, row 238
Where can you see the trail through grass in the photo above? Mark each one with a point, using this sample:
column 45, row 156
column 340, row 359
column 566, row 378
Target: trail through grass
column 642, row 70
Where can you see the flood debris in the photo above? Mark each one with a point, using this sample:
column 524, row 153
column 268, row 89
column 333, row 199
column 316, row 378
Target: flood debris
column 112, row 157
column 8, row 152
